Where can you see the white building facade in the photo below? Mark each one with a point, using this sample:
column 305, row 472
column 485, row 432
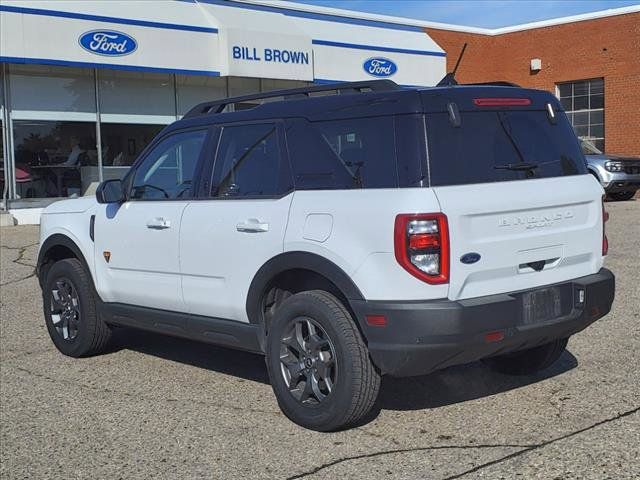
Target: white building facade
column 84, row 86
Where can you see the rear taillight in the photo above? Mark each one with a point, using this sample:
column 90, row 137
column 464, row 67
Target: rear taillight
column 605, row 218
column 421, row 243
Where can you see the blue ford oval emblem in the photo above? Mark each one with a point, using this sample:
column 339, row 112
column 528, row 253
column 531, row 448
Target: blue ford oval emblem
column 108, row 42
column 380, row 67
column 469, row 258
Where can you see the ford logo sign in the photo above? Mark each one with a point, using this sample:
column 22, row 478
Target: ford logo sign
column 380, row 67
column 108, row 42
column 469, row 258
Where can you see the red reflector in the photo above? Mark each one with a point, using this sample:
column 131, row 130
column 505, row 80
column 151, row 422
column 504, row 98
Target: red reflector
column 494, row 336
column 376, row 320
column 424, row 240
column 501, row 102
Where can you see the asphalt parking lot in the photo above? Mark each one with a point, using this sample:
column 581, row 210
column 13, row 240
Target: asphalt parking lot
column 158, row 407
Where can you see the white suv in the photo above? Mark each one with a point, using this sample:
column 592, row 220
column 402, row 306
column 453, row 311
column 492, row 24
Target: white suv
column 346, row 232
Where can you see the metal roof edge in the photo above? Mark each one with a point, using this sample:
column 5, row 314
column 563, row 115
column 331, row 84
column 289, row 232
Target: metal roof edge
column 444, row 26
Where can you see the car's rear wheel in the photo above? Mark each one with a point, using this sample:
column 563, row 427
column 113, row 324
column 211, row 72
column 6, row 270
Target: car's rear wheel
column 527, row 362
column 622, row 196
column 70, row 313
column 318, row 363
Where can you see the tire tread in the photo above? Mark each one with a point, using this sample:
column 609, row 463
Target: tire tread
column 99, row 333
column 366, row 378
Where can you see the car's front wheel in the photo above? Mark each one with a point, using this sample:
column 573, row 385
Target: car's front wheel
column 622, row 196
column 70, row 312
column 527, row 362
column 318, row 363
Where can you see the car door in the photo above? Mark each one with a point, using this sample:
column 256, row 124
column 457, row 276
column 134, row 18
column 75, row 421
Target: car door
column 137, row 241
column 227, row 236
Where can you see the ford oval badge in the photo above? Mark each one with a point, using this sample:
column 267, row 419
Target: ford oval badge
column 380, row 67
column 108, row 42
column 469, row 258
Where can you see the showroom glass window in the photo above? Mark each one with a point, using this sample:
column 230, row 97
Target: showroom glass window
column 54, row 130
column 3, row 163
column 134, row 108
column 584, row 103
column 195, row 89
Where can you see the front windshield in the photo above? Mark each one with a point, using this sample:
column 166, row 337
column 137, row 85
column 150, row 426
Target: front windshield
column 589, row 148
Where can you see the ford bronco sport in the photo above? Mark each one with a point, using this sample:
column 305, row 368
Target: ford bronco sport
column 345, row 232
column 618, row 175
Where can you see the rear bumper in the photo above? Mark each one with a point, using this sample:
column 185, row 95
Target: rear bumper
column 424, row 336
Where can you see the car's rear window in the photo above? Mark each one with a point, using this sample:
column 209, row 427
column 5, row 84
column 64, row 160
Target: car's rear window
column 493, row 146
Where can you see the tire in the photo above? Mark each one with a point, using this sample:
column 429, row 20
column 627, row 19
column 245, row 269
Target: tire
column 341, row 359
column 72, row 320
column 527, row 362
column 622, row 196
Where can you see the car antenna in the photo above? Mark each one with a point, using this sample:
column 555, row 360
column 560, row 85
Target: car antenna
column 450, row 78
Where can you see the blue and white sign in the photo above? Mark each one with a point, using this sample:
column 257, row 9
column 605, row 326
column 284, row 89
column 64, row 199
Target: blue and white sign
column 108, row 42
column 380, row 67
column 262, row 54
column 266, row 54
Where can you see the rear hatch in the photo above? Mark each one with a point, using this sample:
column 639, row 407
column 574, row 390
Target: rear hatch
column 509, row 174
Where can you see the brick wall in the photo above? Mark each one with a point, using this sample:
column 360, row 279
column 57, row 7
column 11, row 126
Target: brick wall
column 605, row 47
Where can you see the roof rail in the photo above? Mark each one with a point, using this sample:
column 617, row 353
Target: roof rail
column 218, row 106
column 499, row 83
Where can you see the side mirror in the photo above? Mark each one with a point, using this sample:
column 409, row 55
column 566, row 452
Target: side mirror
column 110, row 191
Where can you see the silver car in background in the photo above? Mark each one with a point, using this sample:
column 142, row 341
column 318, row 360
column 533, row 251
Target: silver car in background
column 618, row 175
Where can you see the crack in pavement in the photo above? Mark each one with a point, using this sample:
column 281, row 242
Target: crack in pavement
column 524, row 449
column 18, row 261
column 137, row 396
column 545, row 443
column 404, row 450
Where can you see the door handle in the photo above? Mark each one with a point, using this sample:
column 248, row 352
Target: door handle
column 252, row 225
column 158, row 223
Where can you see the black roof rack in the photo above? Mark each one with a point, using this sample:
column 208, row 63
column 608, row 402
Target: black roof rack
column 218, row 106
column 499, row 83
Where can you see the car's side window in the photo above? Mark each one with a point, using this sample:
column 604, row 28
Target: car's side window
column 249, row 163
column 343, row 154
column 167, row 170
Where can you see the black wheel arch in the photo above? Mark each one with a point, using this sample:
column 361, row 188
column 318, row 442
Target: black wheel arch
column 594, row 172
column 298, row 261
column 56, row 247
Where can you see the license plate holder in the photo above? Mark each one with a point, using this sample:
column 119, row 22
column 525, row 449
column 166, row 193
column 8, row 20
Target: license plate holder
column 541, row 305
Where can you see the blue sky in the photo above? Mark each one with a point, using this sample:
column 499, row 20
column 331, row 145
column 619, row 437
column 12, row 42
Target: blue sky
column 477, row 13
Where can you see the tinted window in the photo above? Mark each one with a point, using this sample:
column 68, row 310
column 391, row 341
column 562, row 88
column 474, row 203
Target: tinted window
column 486, row 144
column 248, row 163
column 343, row 154
column 167, row 171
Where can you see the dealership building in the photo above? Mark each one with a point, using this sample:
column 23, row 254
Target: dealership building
column 84, row 86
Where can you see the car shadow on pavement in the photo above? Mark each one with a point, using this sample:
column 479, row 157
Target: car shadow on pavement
column 459, row 384
column 446, row 387
column 202, row 355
